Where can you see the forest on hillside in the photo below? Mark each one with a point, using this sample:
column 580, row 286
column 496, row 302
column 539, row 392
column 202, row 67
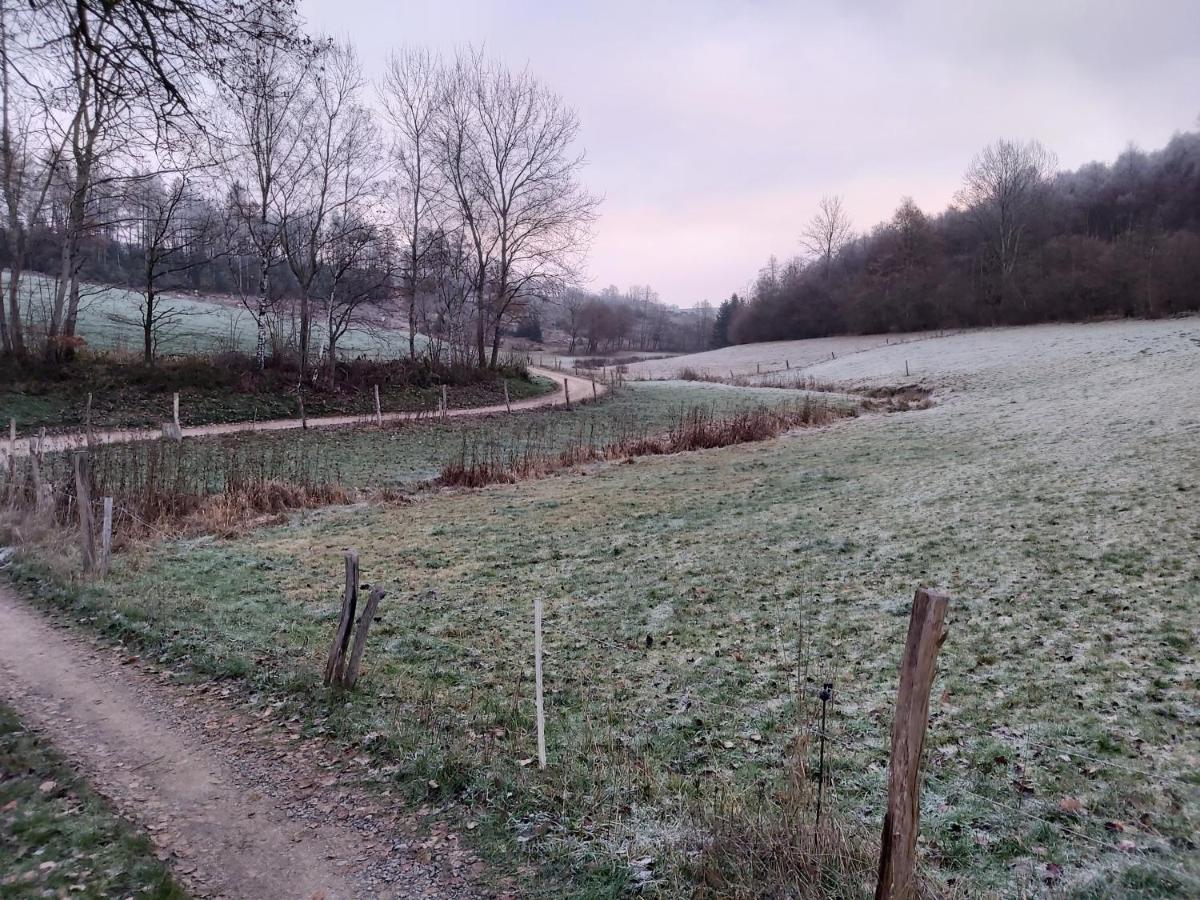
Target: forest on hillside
column 1021, row 243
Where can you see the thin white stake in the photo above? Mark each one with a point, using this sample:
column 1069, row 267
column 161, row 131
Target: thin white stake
column 378, row 408
column 537, row 677
column 106, row 536
column 176, row 410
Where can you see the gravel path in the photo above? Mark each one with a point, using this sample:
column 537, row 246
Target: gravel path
column 238, row 803
column 581, row 389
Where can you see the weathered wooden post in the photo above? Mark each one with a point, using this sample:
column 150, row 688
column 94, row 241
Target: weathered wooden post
column 106, row 537
column 595, row 393
column 567, row 391
column 87, row 420
column 303, row 414
column 175, row 412
column 906, row 368
column 12, row 448
column 445, row 402
column 378, row 408
column 350, row 676
column 341, row 638
column 507, row 402
column 901, row 823
column 83, row 499
column 537, row 680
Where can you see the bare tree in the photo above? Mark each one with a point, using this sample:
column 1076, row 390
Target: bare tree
column 572, row 303
column 1001, row 191
column 176, row 231
column 409, row 93
column 334, row 179
column 827, row 231
column 506, row 146
column 264, row 106
column 29, row 157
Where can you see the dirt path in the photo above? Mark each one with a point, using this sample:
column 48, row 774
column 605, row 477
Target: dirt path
column 240, row 805
column 581, row 389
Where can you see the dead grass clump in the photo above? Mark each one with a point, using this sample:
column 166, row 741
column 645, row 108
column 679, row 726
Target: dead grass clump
column 696, row 429
column 770, row 844
column 897, row 398
column 243, row 505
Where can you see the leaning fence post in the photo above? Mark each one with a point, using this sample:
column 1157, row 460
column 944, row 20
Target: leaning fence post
column 537, row 680
column 901, row 823
column 378, row 408
column 83, row 499
column 595, row 393
column 360, row 636
column 341, row 638
column 106, row 537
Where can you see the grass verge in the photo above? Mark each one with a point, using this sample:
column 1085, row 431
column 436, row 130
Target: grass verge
column 58, row 838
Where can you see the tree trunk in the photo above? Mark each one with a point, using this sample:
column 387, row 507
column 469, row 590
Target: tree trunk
column 305, row 328
column 148, row 328
column 16, row 334
column 5, row 342
column 264, row 274
column 480, row 327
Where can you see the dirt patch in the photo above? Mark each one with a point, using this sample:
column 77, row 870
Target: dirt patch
column 237, row 803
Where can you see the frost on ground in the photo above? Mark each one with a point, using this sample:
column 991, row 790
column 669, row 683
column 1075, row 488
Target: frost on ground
column 1052, row 491
column 770, row 357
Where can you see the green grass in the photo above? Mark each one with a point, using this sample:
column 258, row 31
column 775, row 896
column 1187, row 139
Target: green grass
column 58, row 838
column 126, row 395
column 403, row 454
column 1064, row 530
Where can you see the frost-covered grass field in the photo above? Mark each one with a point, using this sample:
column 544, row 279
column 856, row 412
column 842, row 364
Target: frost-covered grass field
column 110, row 319
column 1052, row 491
column 771, row 357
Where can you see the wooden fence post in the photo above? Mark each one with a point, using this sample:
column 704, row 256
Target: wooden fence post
column 12, row 448
column 595, row 393
column 333, row 666
column 360, row 636
column 537, row 679
column 378, row 408
column 567, row 391
column 901, row 823
column 87, row 420
column 175, row 411
column 507, row 402
column 83, row 499
column 106, row 537
column 445, row 402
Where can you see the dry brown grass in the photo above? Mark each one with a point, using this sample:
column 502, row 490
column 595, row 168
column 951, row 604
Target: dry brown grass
column 696, row 429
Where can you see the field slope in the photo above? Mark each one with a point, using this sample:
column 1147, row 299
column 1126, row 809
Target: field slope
column 1052, row 491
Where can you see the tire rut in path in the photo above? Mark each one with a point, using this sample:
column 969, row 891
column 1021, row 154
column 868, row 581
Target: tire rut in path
column 239, row 816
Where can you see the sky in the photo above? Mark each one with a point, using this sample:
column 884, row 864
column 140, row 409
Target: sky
column 712, row 129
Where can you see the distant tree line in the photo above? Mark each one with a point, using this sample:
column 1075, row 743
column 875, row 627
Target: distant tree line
column 1022, row 243
column 611, row 320
column 211, row 145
